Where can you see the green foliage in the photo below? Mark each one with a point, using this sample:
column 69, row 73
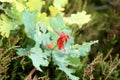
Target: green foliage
column 80, row 18
column 54, row 11
column 38, row 57
column 60, row 58
column 57, row 23
column 6, row 25
column 85, row 47
column 35, row 5
column 28, row 20
column 4, row 63
column 60, row 3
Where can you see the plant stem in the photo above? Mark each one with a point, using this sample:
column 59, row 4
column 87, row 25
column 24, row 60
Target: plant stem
column 51, row 68
column 58, row 78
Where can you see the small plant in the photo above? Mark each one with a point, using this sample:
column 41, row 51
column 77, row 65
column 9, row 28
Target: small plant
column 48, row 39
column 56, row 45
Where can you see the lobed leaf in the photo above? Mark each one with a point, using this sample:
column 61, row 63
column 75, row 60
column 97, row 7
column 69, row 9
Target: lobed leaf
column 60, row 3
column 61, row 60
column 82, row 50
column 41, row 38
column 19, row 8
column 54, row 11
column 28, row 20
column 57, row 22
column 6, row 25
column 38, row 58
column 80, row 18
column 35, row 5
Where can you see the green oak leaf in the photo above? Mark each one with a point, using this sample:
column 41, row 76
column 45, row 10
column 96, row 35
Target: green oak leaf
column 40, row 37
column 55, row 10
column 28, row 20
column 15, row 15
column 60, row 3
column 57, row 23
column 35, row 5
column 21, row 6
column 61, row 60
column 82, row 50
column 42, row 18
column 6, row 25
column 85, row 47
column 38, row 57
column 79, row 18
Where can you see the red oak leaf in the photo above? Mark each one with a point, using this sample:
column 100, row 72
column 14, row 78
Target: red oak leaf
column 50, row 46
column 62, row 40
